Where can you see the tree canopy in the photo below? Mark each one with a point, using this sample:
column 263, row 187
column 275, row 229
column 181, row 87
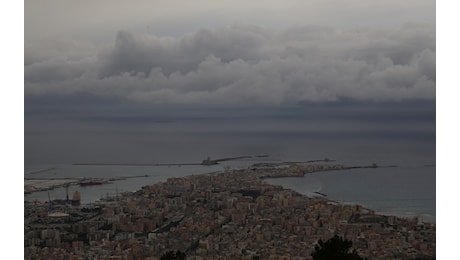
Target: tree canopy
column 171, row 255
column 335, row 248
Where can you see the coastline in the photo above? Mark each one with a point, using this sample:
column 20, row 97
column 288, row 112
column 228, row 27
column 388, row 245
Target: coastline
column 32, row 185
column 280, row 170
column 189, row 213
column 400, row 191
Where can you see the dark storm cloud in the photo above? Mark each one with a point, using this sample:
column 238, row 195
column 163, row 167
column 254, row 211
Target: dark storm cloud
column 141, row 53
column 243, row 64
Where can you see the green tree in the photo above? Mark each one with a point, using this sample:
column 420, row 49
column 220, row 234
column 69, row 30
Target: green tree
column 335, row 248
column 171, row 255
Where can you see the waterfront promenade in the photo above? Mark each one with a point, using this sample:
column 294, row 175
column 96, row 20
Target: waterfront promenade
column 228, row 215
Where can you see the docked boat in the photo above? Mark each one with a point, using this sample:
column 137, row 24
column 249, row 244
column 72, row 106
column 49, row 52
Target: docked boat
column 90, row 182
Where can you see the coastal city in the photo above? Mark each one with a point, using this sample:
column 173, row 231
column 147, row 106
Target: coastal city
column 231, row 214
column 253, row 130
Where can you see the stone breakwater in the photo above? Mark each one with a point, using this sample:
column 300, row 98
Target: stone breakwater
column 43, row 184
column 228, row 215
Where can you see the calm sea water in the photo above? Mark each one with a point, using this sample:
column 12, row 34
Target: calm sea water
column 402, row 191
column 401, row 134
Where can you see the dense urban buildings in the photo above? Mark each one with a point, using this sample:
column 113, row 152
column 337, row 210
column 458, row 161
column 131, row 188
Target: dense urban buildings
column 226, row 215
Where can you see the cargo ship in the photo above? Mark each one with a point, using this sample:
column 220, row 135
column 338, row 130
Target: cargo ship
column 90, row 182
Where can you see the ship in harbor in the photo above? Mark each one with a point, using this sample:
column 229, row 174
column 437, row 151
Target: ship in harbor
column 208, row 161
column 91, row 182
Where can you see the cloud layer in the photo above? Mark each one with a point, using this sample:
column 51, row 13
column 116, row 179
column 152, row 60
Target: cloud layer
column 242, row 65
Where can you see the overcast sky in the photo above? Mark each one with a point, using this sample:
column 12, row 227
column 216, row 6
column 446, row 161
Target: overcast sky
column 231, row 52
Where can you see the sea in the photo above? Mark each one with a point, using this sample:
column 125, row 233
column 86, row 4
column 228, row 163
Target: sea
column 399, row 137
